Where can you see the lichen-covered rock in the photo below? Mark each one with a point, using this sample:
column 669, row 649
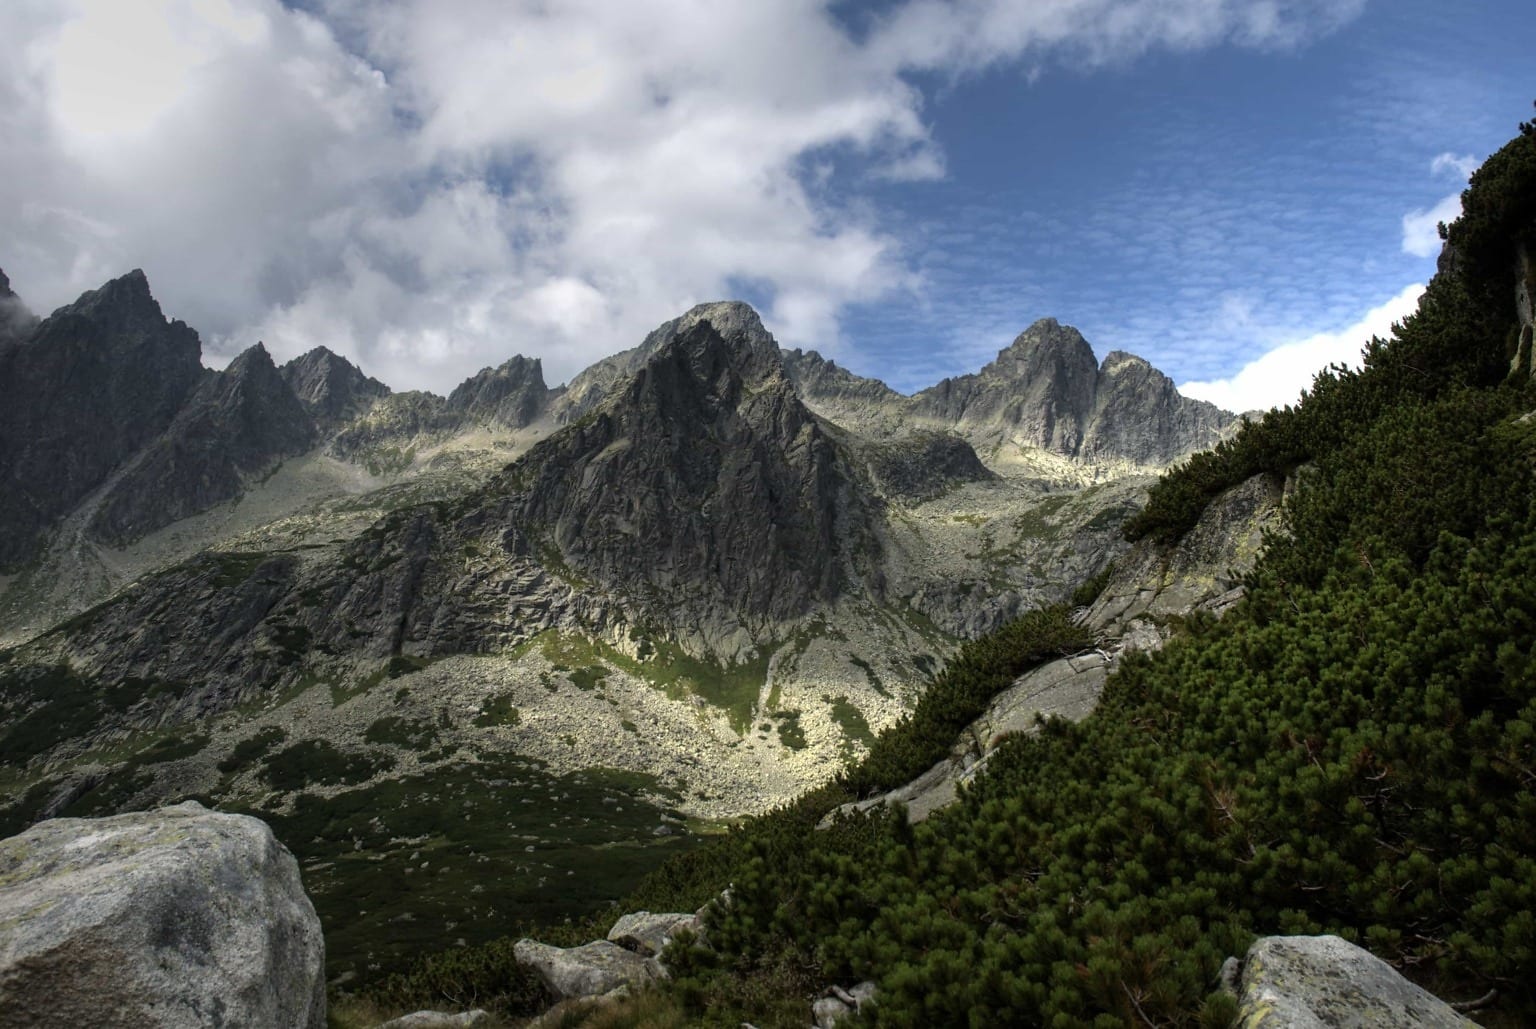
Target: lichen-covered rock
column 590, row 970
column 438, row 1020
column 170, row 918
column 648, row 934
column 1324, row 982
column 1203, row 571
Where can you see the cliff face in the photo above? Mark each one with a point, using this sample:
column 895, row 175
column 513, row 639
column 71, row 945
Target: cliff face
column 79, row 393
column 332, row 389
column 705, row 484
column 15, row 319
column 239, row 423
column 511, row 395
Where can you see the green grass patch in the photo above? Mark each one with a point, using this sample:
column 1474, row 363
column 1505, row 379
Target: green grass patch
column 252, row 749
column 402, row 732
column 318, row 763
column 499, row 710
column 851, row 721
column 870, row 674
column 791, row 733
column 733, row 689
column 466, row 851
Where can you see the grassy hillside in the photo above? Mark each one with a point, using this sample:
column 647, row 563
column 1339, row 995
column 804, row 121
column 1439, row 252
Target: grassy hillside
column 1351, row 750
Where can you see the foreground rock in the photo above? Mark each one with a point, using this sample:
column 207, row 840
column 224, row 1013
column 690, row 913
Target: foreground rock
column 438, row 1020
column 1318, row 981
column 648, row 934
column 591, row 970
column 178, row 917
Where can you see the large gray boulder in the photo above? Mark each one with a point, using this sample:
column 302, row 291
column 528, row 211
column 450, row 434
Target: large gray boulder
column 1323, row 982
column 591, row 970
column 648, row 933
column 169, row 918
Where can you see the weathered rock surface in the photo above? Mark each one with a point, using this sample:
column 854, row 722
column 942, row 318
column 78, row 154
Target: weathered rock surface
column 512, row 395
column 590, row 970
column 1324, row 982
column 177, row 917
column 1203, row 571
column 15, row 319
column 840, row 1004
column 704, row 494
column 240, row 423
column 1044, row 392
column 1068, row 688
column 332, row 389
column 923, row 465
column 79, row 394
column 438, row 1020
column 648, row 934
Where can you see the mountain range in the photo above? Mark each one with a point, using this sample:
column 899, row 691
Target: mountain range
column 707, row 565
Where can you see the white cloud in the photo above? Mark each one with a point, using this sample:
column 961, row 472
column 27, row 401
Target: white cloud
column 1421, row 228
column 430, row 186
column 1280, row 375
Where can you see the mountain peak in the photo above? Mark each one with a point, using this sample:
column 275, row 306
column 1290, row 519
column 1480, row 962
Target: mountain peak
column 512, row 394
column 750, row 347
column 123, row 308
column 5, row 286
column 329, row 386
column 251, row 360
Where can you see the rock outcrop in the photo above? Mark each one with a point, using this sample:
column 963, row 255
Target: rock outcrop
column 170, row 918
column 648, row 934
column 511, row 395
column 332, row 389
column 80, row 393
column 239, row 424
column 591, row 970
column 1151, row 585
column 1302, row 982
column 1045, row 392
column 15, row 319
column 704, row 493
column 1201, row 572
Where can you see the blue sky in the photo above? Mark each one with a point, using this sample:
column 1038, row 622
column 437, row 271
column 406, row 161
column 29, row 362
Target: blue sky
column 1201, row 208
column 1238, row 190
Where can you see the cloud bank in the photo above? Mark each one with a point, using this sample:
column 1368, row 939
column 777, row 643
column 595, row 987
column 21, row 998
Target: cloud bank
column 430, row 186
column 1279, row 377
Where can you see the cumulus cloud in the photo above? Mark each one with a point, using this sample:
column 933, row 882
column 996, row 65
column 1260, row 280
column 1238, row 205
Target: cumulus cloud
column 1280, row 375
column 1421, row 228
column 430, row 186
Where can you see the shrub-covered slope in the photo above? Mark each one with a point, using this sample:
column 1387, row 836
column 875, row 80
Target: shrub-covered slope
column 1351, row 750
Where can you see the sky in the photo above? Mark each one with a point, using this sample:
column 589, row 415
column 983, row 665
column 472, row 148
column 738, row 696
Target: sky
column 1240, row 191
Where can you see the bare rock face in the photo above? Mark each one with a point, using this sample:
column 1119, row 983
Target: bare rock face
column 648, row 934
column 1203, row 571
column 178, row 917
column 923, row 465
column 80, row 393
column 15, row 319
column 332, row 389
column 511, row 395
column 241, row 422
column 703, row 489
column 1323, row 982
column 1045, row 391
